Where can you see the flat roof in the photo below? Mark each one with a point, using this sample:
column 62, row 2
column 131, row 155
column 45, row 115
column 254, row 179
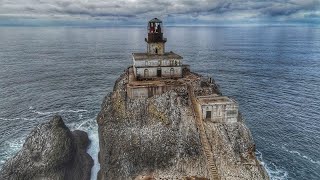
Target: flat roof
column 147, row 56
column 214, row 99
column 155, row 20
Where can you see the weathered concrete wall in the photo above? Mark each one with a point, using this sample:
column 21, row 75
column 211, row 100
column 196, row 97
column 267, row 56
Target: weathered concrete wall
column 137, row 92
column 151, row 72
column 157, row 62
column 171, row 71
column 159, row 46
column 225, row 113
column 148, row 91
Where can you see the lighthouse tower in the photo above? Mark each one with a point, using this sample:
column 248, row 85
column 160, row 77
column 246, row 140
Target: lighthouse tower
column 155, row 40
column 156, row 63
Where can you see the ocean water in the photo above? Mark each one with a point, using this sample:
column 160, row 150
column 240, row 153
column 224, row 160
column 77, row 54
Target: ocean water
column 272, row 71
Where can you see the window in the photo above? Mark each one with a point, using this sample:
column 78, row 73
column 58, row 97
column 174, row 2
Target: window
column 171, row 72
column 219, row 111
column 156, row 50
column 146, row 73
column 232, row 112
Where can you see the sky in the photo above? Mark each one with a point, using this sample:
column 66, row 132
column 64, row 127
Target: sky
column 137, row 12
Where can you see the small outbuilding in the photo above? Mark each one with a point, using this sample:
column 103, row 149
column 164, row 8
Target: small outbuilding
column 220, row 109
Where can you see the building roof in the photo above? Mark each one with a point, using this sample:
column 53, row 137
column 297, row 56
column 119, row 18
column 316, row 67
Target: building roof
column 214, row 99
column 147, row 56
column 155, row 20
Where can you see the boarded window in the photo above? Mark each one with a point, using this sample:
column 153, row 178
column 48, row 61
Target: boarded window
column 171, row 71
column 219, row 111
column 146, row 73
column 232, row 112
column 208, row 114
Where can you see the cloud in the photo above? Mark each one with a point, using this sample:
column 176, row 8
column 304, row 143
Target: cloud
column 173, row 10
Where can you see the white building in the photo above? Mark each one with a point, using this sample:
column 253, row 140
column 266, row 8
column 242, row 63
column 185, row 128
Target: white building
column 156, row 63
column 218, row 109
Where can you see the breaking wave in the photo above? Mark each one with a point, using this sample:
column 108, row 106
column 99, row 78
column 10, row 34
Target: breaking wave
column 90, row 126
column 13, row 147
column 274, row 172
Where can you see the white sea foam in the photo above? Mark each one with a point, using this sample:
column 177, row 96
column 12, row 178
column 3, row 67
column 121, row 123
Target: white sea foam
column 16, row 144
column 13, row 147
column 90, row 126
column 60, row 111
column 301, row 155
column 19, row 118
column 274, row 172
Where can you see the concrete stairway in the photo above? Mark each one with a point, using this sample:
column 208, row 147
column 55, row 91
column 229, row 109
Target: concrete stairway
column 203, row 136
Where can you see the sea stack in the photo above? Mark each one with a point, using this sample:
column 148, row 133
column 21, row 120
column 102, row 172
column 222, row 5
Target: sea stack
column 51, row 152
column 163, row 121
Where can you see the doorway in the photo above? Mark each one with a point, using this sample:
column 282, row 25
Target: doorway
column 208, row 114
column 159, row 72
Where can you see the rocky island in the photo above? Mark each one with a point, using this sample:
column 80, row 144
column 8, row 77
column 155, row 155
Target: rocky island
column 162, row 121
column 51, row 152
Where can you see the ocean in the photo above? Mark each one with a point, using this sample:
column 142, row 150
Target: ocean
column 272, row 71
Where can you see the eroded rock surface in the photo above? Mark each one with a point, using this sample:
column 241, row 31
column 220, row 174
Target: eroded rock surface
column 157, row 138
column 51, row 152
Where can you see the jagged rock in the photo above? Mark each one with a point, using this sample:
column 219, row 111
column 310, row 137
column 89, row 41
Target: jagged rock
column 51, row 151
column 157, row 138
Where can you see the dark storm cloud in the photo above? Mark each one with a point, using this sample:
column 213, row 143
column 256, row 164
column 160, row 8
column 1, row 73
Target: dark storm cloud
column 207, row 10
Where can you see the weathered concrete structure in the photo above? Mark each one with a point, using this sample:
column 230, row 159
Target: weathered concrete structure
column 218, row 109
column 156, row 63
column 163, row 121
column 151, row 66
column 157, row 71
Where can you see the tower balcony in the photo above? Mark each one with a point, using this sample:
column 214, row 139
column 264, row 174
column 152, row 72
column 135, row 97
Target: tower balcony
column 155, row 37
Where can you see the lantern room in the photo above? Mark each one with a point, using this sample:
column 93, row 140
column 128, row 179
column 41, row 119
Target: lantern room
column 155, row 26
column 155, row 31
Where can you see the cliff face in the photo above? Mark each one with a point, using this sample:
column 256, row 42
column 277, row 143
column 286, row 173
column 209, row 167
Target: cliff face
column 158, row 138
column 51, row 151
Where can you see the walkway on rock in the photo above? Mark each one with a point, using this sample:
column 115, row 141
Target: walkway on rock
column 196, row 108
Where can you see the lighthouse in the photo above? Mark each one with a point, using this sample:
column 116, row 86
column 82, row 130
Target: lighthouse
column 156, row 63
column 155, row 40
